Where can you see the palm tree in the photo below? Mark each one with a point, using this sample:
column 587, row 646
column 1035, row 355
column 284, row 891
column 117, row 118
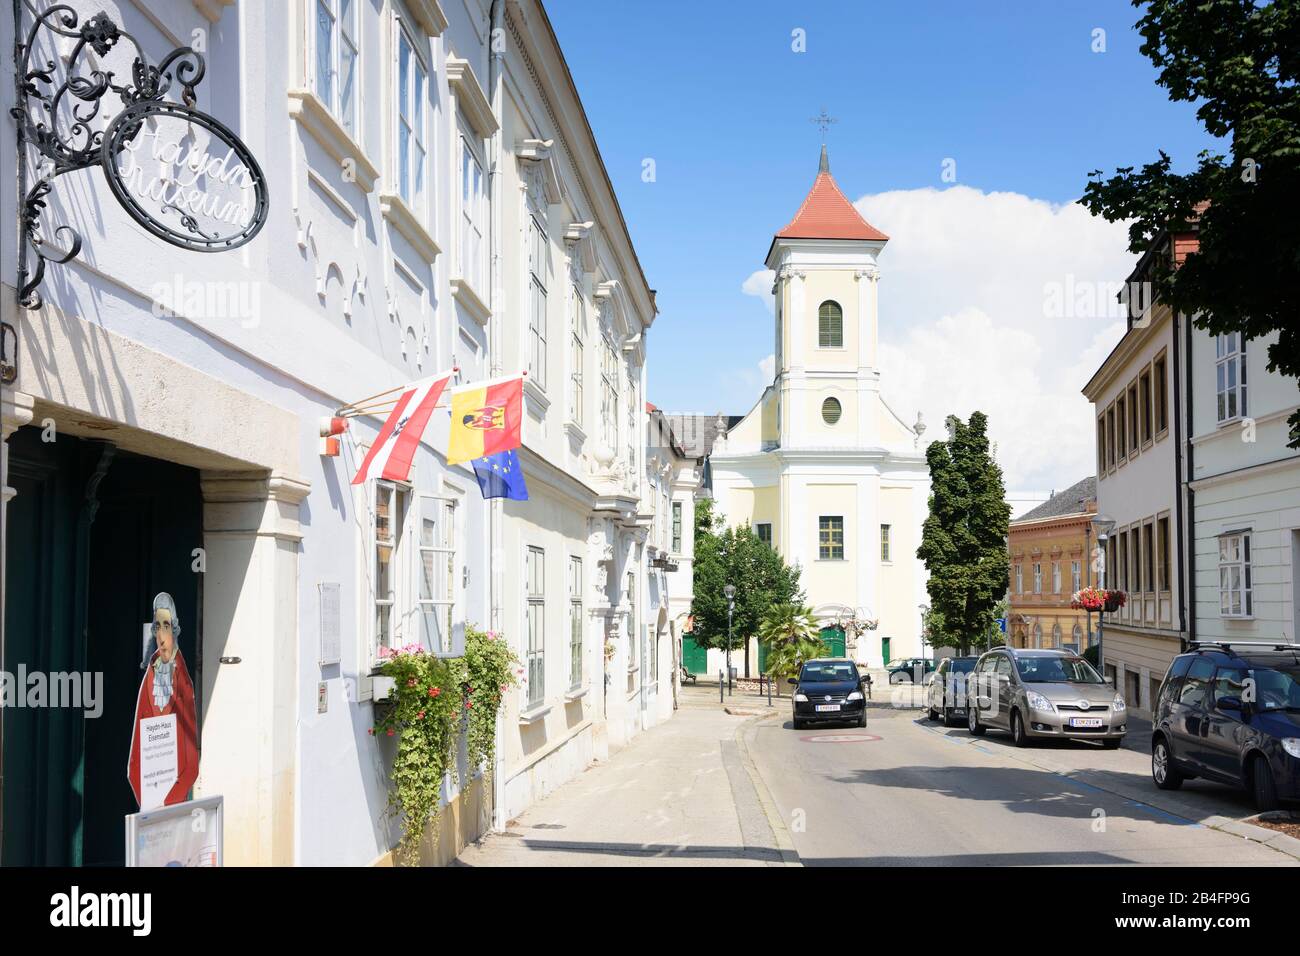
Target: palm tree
column 792, row 637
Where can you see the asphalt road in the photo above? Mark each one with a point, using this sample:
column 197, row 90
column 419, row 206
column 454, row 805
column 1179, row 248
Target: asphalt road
column 921, row 794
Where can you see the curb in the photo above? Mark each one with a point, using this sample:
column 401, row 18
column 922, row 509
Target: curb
column 784, row 842
column 1281, row 842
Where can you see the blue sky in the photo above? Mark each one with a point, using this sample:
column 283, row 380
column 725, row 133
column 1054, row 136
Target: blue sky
column 1013, row 92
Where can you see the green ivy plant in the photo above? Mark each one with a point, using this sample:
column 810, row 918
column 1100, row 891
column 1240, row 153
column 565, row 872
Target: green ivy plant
column 434, row 699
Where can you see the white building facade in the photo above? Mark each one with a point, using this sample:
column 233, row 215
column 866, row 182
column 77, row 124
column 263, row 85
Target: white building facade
column 437, row 201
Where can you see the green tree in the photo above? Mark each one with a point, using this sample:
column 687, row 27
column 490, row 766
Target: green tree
column 1236, row 59
column 964, row 537
column 791, row 635
column 737, row 557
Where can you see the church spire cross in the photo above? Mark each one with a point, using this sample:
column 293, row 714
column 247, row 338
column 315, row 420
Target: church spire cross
column 824, row 122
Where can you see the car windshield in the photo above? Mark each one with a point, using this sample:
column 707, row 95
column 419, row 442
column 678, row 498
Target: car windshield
column 1056, row 670
column 829, row 670
column 962, row 667
column 1277, row 688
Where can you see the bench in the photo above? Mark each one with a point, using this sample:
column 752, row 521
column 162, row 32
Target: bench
column 687, row 675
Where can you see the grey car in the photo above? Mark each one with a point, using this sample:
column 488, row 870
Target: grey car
column 1043, row 693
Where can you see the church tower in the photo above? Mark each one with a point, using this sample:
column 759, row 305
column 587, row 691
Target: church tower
column 821, row 467
column 827, row 379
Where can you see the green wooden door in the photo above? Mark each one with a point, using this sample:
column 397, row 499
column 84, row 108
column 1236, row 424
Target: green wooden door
column 695, row 657
column 884, row 650
column 762, row 657
column 93, row 534
column 833, row 638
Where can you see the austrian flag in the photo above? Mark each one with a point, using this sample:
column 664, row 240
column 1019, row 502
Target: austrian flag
column 394, row 448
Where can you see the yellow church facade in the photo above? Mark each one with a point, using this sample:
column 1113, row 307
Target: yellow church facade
column 821, row 466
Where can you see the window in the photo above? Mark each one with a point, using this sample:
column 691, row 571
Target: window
column 1076, row 575
column 473, row 216
column 609, row 393
column 577, row 337
column 764, row 531
column 830, row 326
column 575, row 622
column 336, row 60
column 884, row 542
column 1144, row 390
column 1162, row 394
column 411, row 148
column 652, row 652
column 635, row 437
column 1234, row 575
column 1133, row 415
column 1230, row 375
column 1120, row 443
column 1162, row 554
column 1101, row 445
column 390, row 514
column 1121, row 578
column 831, row 411
column 538, row 265
column 677, row 528
column 830, row 538
column 1019, row 580
column 535, row 576
column 632, row 634
column 1110, row 437
column 1148, row 557
column 436, row 595
column 1056, row 577
column 1038, row 578
column 1195, row 691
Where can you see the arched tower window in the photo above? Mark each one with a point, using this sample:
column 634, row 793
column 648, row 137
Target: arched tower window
column 830, row 325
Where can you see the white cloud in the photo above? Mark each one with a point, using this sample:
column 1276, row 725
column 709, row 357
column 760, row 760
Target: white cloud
column 967, row 320
column 767, row 368
column 760, row 284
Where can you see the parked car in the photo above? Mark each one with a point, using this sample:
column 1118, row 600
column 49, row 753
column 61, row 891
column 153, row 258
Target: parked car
column 945, row 696
column 1043, row 693
column 828, row 689
column 1230, row 712
column 912, row 669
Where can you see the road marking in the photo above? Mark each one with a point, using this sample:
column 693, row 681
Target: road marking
column 838, row 738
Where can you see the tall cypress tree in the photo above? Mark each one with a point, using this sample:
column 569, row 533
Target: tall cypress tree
column 964, row 538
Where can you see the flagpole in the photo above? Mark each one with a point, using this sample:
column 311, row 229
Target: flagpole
column 455, row 370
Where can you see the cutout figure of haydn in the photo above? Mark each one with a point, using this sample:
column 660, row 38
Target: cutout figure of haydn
column 164, row 761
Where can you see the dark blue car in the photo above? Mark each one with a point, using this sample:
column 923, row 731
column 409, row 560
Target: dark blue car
column 829, row 689
column 1230, row 712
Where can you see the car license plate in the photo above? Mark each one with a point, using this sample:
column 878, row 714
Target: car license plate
column 1085, row 721
column 826, row 707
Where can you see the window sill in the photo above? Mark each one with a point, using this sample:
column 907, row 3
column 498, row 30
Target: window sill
column 535, row 714
column 575, row 431
column 404, row 220
column 578, row 694
column 536, row 395
column 464, row 293
column 312, row 114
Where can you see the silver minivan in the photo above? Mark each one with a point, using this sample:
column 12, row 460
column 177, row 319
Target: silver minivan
column 1043, row 693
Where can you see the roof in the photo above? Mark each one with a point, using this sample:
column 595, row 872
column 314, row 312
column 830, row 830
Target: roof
column 827, row 214
column 697, row 432
column 1072, row 501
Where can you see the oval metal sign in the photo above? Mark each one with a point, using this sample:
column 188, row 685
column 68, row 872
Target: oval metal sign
column 184, row 176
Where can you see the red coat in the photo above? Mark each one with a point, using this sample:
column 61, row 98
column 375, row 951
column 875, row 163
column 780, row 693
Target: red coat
column 182, row 705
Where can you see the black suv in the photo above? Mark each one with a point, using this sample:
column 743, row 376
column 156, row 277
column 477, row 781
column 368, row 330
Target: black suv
column 1230, row 712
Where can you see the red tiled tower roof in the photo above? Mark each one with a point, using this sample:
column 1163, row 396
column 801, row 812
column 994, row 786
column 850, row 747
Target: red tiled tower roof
column 827, row 214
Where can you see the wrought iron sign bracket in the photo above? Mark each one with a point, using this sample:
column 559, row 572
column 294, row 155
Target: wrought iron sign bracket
column 58, row 114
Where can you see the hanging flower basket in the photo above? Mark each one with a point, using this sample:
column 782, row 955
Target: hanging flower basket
column 1115, row 600
column 1097, row 599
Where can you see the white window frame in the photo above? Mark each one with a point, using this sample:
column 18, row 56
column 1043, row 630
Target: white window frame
column 576, row 623
column 1076, row 576
column 633, row 634
column 1230, row 362
column 537, row 255
column 577, row 353
column 1056, row 577
column 884, row 544
column 676, row 544
column 534, row 630
column 395, row 597
column 473, row 211
column 1038, row 577
column 415, row 152
column 344, row 33
column 441, row 614
column 609, row 392
column 1236, row 599
column 1020, row 578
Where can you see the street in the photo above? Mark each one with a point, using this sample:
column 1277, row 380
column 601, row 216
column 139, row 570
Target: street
column 744, row 788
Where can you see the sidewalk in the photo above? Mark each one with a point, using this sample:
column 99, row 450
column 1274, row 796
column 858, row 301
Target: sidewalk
column 681, row 793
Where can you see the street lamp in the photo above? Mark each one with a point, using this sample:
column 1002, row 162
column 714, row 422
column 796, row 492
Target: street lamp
column 924, row 609
column 730, row 592
column 1102, row 525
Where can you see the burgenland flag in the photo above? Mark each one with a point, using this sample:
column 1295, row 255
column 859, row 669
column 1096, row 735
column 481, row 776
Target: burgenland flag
column 390, row 456
column 485, row 419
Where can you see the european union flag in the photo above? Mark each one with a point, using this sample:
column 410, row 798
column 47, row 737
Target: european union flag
column 501, row 476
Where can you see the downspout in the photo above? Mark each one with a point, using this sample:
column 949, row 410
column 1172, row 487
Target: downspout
column 1189, row 593
column 496, row 585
